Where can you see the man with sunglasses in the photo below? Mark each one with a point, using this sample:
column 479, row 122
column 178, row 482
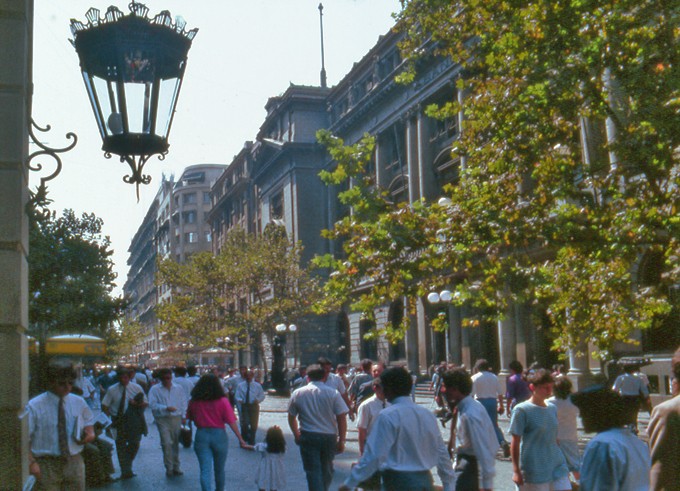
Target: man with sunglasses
column 59, row 425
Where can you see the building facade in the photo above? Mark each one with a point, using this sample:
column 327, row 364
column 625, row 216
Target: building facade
column 175, row 226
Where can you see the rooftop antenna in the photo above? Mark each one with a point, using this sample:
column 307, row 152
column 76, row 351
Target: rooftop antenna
column 323, row 65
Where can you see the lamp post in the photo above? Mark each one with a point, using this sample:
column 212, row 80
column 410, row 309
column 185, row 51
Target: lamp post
column 282, row 329
column 443, row 298
column 132, row 66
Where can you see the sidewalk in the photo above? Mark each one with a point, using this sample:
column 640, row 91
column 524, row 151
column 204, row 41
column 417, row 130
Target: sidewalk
column 241, row 464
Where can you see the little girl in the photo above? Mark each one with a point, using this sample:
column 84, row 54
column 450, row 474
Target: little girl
column 271, row 474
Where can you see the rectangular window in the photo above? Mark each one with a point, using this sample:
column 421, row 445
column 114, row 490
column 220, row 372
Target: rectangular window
column 189, row 199
column 208, row 237
column 206, row 198
column 276, row 206
column 191, row 237
column 190, row 217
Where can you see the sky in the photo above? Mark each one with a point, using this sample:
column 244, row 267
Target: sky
column 245, row 52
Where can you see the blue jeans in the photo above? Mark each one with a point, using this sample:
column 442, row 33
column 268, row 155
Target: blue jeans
column 211, row 448
column 490, row 406
column 318, row 451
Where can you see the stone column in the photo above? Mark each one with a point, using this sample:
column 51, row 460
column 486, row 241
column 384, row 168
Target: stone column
column 419, row 325
column 16, row 19
column 578, row 366
column 507, row 340
column 456, row 334
column 466, row 355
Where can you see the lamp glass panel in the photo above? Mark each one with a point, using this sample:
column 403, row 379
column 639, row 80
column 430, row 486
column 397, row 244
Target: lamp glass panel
column 91, row 94
column 169, row 88
column 113, row 124
column 138, row 103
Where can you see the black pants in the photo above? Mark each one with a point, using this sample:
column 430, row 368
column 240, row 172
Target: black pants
column 467, row 476
column 127, row 447
column 250, row 416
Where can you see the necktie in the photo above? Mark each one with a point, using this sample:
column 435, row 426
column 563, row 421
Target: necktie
column 61, row 427
column 247, row 392
column 121, row 405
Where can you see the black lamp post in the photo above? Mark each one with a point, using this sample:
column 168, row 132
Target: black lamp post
column 132, row 67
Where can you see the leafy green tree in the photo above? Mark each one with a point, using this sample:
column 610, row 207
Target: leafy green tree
column 253, row 284
column 71, row 277
column 195, row 313
column 569, row 167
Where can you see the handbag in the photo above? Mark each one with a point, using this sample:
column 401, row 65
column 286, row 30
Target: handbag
column 185, row 435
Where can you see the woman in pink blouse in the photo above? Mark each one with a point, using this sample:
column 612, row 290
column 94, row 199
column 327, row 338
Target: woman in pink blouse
column 209, row 409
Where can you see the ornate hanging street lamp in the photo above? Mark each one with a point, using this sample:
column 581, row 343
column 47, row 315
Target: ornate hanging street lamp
column 133, row 67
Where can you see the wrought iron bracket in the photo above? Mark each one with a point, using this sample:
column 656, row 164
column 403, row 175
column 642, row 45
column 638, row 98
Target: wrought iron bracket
column 136, row 164
column 39, row 197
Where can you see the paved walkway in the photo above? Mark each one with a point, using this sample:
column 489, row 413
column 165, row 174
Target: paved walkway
column 242, row 464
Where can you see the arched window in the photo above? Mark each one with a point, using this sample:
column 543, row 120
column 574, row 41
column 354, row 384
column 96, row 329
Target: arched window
column 369, row 347
column 446, row 168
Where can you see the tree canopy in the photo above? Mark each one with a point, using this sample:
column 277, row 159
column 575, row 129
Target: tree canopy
column 568, row 191
column 254, row 283
column 71, row 277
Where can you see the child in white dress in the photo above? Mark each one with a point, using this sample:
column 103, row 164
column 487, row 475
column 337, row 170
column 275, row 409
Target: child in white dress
column 271, row 474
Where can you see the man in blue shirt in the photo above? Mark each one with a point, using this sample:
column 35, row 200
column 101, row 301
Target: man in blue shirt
column 615, row 459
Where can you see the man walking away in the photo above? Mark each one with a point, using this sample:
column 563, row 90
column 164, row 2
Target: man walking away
column 487, row 390
column 59, row 424
column 476, row 443
column 321, row 429
column 405, row 442
column 615, row 459
column 168, row 404
column 117, row 403
column 249, row 395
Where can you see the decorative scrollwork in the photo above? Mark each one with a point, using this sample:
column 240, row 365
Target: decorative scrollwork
column 136, row 163
column 39, row 196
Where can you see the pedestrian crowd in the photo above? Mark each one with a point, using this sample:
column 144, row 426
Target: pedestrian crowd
column 400, row 441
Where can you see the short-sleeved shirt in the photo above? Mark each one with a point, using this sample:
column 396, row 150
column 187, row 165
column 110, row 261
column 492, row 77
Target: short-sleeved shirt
column 43, row 412
column 517, row 388
column 541, row 460
column 336, row 382
column 211, row 414
column 567, row 413
column 317, row 406
column 485, row 385
column 369, row 411
column 629, row 385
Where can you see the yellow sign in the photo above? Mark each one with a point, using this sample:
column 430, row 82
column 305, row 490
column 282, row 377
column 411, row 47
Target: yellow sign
column 75, row 347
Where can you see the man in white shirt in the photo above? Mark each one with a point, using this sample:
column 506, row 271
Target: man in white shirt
column 118, row 399
column 192, row 374
column 249, row 395
column 366, row 415
column 322, row 427
column 633, row 392
column 336, row 382
column 404, row 443
column 487, row 390
column 59, row 425
column 368, row 412
column 231, row 383
column 475, row 439
column 168, row 403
